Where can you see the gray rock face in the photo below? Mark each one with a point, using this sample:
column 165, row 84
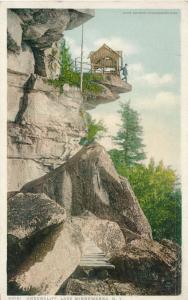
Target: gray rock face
column 150, row 264
column 49, row 128
column 52, row 261
column 25, row 169
column 94, row 186
column 79, row 16
column 30, row 217
column 44, row 127
column 14, row 93
column 22, row 62
column 52, row 61
column 43, row 27
column 14, row 31
column 48, row 132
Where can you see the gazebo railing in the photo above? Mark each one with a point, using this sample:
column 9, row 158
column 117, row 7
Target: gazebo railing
column 88, row 67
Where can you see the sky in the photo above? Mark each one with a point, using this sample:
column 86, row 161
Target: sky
column 150, row 41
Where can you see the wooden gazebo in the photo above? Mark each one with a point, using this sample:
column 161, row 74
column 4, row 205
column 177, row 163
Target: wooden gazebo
column 106, row 60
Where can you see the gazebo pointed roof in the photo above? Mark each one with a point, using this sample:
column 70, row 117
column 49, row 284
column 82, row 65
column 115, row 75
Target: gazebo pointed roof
column 107, row 47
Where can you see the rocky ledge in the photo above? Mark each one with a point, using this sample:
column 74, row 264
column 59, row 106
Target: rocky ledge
column 112, row 86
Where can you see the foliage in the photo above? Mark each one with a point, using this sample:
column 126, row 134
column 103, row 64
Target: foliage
column 90, row 84
column 158, row 193
column 154, row 185
column 117, row 157
column 72, row 77
column 94, row 130
column 129, row 136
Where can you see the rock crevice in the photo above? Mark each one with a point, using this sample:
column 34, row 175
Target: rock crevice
column 28, row 86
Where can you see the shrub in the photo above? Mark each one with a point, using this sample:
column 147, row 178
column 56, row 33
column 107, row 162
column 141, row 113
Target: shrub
column 94, row 130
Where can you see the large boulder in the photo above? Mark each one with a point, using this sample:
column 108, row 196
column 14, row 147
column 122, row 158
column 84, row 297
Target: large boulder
column 150, row 264
column 94, row 185
column 30, row 213
column 30, row 217
column 52, row 261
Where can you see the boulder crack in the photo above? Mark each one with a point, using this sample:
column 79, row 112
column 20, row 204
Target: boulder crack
column 28, row 86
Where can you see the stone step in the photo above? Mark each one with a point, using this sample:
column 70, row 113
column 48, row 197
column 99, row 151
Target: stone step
column 93, row 257
column 94, row 266
column 94, row 263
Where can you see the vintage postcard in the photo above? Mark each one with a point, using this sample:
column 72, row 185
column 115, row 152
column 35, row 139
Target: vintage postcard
column 93, row 133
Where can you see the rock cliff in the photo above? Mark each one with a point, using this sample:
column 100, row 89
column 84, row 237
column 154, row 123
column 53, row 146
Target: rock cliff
column 44, row 126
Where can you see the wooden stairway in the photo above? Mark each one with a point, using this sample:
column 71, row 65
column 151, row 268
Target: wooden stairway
column 94, row 258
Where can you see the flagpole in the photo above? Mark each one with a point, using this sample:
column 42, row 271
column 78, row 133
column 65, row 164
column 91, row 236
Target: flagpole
column 81, row 61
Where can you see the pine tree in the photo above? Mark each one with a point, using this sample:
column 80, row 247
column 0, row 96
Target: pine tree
column 129, row 136
column 65, row 56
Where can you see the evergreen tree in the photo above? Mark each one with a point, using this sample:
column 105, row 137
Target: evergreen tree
column 65, row 60
column 129, row 136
